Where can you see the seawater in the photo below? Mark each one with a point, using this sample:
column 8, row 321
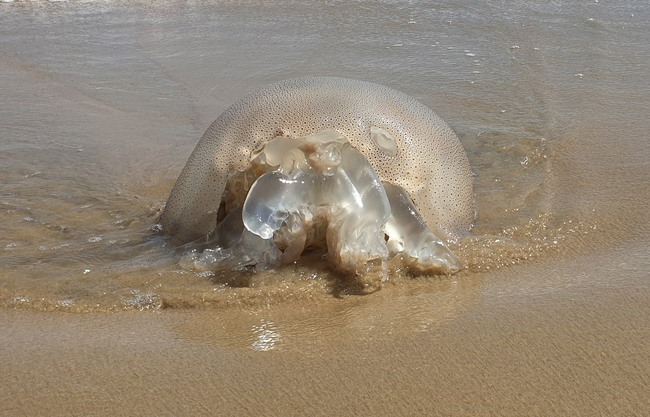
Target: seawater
column 102, row 103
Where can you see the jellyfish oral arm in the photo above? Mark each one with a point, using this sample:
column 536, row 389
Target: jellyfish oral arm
column 300, row 191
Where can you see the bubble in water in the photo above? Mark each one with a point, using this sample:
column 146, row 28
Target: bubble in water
column 65, row 303
column 20, row 300
column 142, row 300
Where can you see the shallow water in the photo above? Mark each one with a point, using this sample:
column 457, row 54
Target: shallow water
column 103, row 103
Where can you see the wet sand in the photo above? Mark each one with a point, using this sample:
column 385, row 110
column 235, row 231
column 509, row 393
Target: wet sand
column 550, row 318
column 572, row 344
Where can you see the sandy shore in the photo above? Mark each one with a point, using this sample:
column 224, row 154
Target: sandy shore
column 567, row 339
column 103, row 103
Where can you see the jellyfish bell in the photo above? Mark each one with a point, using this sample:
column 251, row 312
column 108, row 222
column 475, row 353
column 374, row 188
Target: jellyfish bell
column 362, row 170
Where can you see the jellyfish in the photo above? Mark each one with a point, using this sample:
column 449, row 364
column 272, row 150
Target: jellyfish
column 369, row 174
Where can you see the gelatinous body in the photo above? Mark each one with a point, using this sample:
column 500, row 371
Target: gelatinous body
column 319, row 182
column 360, row 155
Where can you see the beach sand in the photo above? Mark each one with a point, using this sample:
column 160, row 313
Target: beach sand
column 103, row 103
column 571, row 345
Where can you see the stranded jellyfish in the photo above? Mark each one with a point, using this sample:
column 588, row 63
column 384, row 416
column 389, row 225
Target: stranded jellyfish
column 366, row 172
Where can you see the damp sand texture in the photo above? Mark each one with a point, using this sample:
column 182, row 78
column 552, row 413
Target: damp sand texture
column 102, row 104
